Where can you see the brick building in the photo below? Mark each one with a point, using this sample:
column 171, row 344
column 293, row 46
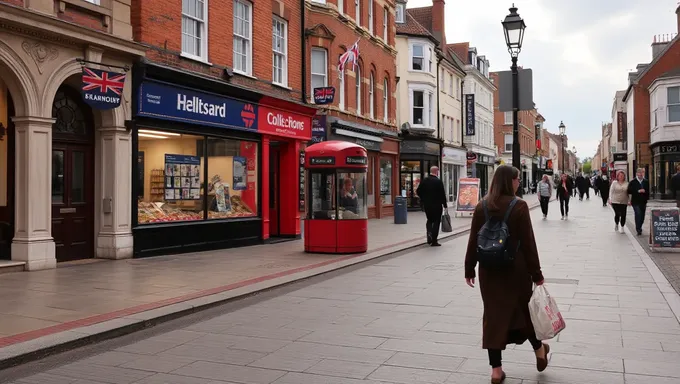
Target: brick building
column 364, row 108
column 220, row 122
column 64, row 160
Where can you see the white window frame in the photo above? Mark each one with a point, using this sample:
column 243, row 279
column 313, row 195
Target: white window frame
column 457, row 88
column 413, row 56
column 323, row 51
column 284, row 54
column 386, row 14
column 430, row 110
column 386, row 104
column 370, row 16
column 400, row 13
column 202, row 30
column 357, row 85
column 507, row 117
column 371, row 96
column 249, row 50
column 450, row 84
column 341, row 6
column 669, row 105
column 357, row 11
column 430, row 59
column 341, row 85
column 453, row 135
column 442, row 80
column 423, row 107
column 319, row 1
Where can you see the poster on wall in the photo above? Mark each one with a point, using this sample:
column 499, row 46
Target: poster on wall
column 468, row 195
column 182, row 177
column 240, row 173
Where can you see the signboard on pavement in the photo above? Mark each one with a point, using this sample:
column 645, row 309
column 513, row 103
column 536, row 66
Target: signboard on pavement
column 664, row 231
column 468, row 195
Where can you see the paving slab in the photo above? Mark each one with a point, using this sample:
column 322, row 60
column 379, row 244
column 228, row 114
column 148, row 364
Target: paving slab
column 360, row 331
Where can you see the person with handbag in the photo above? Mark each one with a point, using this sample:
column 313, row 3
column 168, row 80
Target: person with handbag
column 432, row 197
column 544, row 194
column 618, row 199
column 502, row 243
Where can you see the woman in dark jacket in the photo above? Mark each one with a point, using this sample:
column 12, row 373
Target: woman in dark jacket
column 603, row 186
column 506, row 293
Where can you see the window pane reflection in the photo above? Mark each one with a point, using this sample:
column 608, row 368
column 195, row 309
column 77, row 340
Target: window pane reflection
column 352, row 198
column 78, row 177
column 57, row 176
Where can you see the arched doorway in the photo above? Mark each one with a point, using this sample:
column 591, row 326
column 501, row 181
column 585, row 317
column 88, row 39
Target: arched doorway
column 6, row 172
column 72, row 176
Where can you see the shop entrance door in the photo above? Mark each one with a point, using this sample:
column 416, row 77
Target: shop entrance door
column 72, row 177
column 7, row 155
column 274, row 190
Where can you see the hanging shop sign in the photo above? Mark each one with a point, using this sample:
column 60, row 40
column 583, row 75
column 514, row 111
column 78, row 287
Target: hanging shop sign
column 324, row 95
column 318, row 128
column 471, row 157
column 162, row 101
column 620, row 157
column 470, row 115
column 283, row 123
column 621, row 126
column 102, row 89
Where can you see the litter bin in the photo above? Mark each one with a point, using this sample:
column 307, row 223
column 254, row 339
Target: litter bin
column 400, row 211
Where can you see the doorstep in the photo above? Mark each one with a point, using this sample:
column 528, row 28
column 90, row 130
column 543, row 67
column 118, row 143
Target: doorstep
column 28, row 346
column 7, row 266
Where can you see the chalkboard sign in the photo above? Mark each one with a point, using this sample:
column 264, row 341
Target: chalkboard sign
column 665, row 225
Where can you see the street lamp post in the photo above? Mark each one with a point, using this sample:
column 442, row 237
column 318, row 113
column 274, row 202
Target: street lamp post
column 513, row 27
column 563, row 130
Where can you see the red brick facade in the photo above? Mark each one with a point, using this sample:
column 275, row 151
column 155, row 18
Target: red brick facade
column 158, row 25
column 527, row 119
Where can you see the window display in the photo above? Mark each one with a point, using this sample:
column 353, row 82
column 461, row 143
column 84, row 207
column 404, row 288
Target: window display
column 386, row 181
column 173, row 172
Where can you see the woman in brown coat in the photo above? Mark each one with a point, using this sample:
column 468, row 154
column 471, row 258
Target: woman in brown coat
column 506, row 293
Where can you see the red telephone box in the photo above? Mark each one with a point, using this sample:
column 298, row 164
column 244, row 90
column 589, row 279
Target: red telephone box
column 337, row 199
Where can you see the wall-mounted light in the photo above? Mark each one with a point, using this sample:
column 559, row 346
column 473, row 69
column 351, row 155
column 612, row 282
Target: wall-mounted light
column 3, row 132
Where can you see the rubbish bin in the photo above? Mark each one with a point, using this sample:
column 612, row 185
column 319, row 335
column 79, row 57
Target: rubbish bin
column 400, row 211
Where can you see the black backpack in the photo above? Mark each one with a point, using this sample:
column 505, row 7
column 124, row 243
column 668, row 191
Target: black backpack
column 492, row 241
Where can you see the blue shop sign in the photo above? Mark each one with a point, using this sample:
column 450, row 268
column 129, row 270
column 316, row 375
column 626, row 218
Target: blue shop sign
column 167, row 102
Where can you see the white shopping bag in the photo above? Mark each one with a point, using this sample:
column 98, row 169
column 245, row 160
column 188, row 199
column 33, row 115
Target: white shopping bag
column 545, row 315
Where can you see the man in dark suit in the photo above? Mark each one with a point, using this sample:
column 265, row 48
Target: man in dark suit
column 638, row 189
column 433, row 200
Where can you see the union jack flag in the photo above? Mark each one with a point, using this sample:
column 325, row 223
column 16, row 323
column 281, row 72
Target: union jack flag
column 351, row 55
column 105, row 81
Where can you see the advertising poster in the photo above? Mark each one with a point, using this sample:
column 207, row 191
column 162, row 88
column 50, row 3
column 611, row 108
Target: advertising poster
column 240, row 173
column 468, row 195
column 182, row 177
column 248, row 150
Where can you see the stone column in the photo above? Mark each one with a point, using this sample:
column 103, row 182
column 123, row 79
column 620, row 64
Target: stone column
column 114, row 232
column 33, row 241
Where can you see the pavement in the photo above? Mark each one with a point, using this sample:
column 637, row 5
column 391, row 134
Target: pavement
column 82, row 302
column 410, row 319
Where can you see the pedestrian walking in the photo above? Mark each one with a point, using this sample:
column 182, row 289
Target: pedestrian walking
column 506, row 291
column 603, row 186
column 618, row 198
column 638, row 189
column 675, row 185
column 433, row 200
column 579, row 186
column 564, row 191
column 544, row 194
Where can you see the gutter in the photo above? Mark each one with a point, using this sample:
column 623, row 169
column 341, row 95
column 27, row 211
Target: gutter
column 303, row 37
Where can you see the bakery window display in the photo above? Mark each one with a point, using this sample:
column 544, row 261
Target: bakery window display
column 162, row 212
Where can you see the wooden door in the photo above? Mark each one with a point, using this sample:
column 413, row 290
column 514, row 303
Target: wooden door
column 274, row 175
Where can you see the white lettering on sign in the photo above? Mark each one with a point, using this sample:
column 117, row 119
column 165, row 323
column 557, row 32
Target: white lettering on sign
column 198, row 106
column 107, row 99
column 282, row 121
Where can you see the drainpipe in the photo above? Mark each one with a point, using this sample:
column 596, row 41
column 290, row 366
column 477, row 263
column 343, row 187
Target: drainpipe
column 304, row 52
column 439, row 117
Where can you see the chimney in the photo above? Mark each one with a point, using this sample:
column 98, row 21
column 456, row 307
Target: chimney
column 438, row 23
column 659, row 44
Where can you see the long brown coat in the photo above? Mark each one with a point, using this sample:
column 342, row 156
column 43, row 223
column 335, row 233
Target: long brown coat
column 506, row 294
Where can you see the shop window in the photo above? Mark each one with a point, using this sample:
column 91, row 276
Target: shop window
column 194, row 42
column 370, row 181
column 385, row 181
column 322, row 196
column 243, row 32
column 357, row 72
column 319, row 68
column 508, row 143
column 418, row 107
column 673, row 104
column 352, row 202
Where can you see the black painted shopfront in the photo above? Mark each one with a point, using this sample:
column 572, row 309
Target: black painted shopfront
column 416, row 155
column 666, row 157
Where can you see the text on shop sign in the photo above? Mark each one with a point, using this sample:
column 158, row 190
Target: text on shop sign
column 329, row 160
column 283, row 123
column 197, row 105
column 359, row 160
column 665, row 225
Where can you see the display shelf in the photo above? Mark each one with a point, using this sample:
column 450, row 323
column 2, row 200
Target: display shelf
column 157, row 185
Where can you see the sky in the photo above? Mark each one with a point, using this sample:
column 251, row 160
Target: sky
column 580, row 52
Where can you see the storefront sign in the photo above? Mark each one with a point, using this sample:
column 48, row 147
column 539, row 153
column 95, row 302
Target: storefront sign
column 664, row 228
column 620, row 157
column 470, row 115
column 182, row 177
column 468, row 195
column 621, row 126
column 240, row 174
column 301, row 182
column 668, row 148
column 419, row 147
column 283, row 123
column 167, row 102
column 368, row 144
column 356, row 160
column 324, row 95
column 102, row 89
column 453, row 156
column 318, row 128
column 471, row 157
column 326, row 160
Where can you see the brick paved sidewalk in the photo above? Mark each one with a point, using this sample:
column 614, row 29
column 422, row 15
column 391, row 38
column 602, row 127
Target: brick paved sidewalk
column 411, row 319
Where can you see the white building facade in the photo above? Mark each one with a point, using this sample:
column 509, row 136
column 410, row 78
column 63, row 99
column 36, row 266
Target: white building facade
column 450, row 91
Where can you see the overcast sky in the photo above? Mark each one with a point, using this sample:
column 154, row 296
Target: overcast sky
column 580, row 51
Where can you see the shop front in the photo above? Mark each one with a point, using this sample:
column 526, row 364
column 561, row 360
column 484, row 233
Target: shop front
column 213, row 170
column 383, row 151
column 416, row 155
column 453, row 168
column 666, row 157
column 481, row 167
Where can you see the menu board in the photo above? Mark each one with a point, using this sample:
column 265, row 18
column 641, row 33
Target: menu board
column 468, row 195
column 664, row 231
column 182, row 177
column 301, row 178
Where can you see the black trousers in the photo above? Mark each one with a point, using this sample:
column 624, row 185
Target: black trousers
column 564, row 205
column 496, row 355
column 620, row 213
column 545, row 200
column 605, row 197
column 434, row 220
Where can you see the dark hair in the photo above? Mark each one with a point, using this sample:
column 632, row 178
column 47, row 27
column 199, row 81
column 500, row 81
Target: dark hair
column 501, row 184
